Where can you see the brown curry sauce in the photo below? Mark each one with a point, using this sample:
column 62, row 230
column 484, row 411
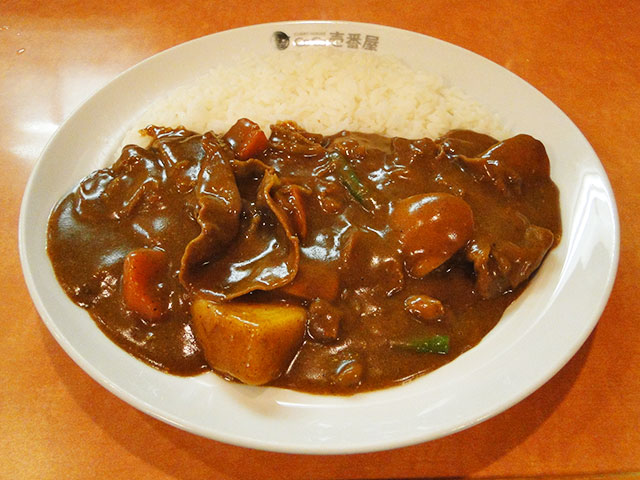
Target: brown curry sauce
column 335, row 224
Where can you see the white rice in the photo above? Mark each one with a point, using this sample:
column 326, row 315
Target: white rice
column 324, row 91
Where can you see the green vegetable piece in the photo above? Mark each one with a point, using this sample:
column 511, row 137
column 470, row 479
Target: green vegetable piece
column 435, row 344
column 349, row 178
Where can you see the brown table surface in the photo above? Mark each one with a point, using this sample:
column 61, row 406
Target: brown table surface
column 56, row 422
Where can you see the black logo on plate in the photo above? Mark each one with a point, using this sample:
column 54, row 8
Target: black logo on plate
column 281, row 39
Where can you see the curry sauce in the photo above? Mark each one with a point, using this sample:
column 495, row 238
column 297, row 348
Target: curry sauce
column 401, row 253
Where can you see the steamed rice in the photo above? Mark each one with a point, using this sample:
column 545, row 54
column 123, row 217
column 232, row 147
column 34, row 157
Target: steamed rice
column 324, row 91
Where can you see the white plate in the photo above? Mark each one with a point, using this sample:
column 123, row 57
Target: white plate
column 535, row 338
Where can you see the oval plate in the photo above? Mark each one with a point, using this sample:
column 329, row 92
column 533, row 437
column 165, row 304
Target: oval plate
column 566, row 297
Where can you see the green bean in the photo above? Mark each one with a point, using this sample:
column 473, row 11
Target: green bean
column 349, row 178
column 434, row 344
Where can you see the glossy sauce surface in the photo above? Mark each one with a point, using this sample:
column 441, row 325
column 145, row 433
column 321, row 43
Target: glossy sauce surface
column 386, row 242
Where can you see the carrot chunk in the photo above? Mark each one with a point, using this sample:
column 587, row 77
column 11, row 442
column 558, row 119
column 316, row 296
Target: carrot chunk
column 144, row 272
column 315, row 279
column 246, row 139
column 290, row 198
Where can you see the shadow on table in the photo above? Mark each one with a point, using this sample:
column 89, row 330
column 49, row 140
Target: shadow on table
column 185, row 456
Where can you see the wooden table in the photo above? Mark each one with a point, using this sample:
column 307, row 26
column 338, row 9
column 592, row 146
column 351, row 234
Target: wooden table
column 56, row 422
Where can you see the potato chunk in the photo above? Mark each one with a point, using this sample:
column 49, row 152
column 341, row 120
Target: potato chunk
column 254, row 343
column 431, row 227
